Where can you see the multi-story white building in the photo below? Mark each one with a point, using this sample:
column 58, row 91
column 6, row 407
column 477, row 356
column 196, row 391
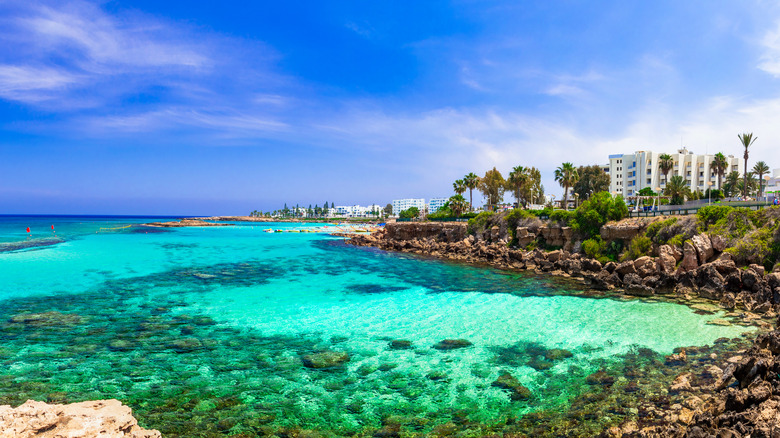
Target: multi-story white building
column 630, row 173
column 355, row 211
column 434, row 204
column 400, row 205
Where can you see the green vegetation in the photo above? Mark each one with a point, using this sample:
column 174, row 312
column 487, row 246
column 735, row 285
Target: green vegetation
column 638, row 247
column 567, row 176
column 720, row 164
column 652, row 230
column 591, row 180
column 665, row 164
column 760, row 169
column 600, row 250
column 471, row 181
column 677, row 189
column 746, row 139
column 479, row 222
column 597, row 211
column 410, row 213
column 493, row 186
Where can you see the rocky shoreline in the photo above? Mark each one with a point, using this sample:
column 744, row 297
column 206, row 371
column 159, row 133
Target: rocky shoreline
column 738, row 397
column 185, row 223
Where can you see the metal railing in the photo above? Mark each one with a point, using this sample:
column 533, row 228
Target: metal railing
column 692, row 209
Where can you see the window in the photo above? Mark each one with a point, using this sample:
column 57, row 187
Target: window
column 648, row 181
column 701, row 174
column 689, row 173
column 649, row 172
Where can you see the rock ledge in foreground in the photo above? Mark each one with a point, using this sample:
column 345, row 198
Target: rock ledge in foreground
column 100, row 418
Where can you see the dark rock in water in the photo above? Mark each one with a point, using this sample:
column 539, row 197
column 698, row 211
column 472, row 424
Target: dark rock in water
column 437, row 375
column 387, row 366
column 372, row 288
column 203, row 320
column 47, row 319
column 120, row 345
column 557, row 354
column 452, row 344
column 28, row 244
column 325, row 359
column 185, row 345
column 539, row 364
column 400, row 344
column 509, row 382
column 600, row 378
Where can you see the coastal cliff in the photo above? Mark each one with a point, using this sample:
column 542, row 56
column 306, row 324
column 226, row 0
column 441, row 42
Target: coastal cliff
column 101, row 418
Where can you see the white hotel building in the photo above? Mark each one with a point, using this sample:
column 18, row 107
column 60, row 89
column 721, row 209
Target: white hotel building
column 630, row 173
column 400, row 205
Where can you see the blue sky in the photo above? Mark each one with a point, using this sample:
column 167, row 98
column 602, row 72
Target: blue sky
column 149, row 107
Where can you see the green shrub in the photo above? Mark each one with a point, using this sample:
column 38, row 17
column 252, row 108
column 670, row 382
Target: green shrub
column 756, row 247
column 563, row 217
column 594, row 247
column 677, row 240
column 409, row 213
column 652, row 230
column 686, row 227
column 710, row 215
column 545, row 212
column 736, row 224
column 479, row 222
column 638, row 247
column 597, row 211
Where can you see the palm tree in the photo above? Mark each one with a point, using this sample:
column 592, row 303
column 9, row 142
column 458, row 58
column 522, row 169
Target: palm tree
column 747, row 140
column 457, row 204
column 720, row 163
column 471, row 181
column 749, row 183
column 760, row 168
column 665, row 163
column 567, row 176
column 459, row 186
column 518, row 179
column 677, row 190
column 731, row 184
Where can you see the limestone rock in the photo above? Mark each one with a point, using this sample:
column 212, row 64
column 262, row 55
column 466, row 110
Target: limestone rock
column 452, row 344
column 47, row 319
column 325, row 359
column 90, row 419
column 703, row 247
column 690, row 257
column 666, row 260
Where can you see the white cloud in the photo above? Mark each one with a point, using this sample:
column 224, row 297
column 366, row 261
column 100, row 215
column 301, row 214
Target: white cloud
column 770, row 60
column 33, row 84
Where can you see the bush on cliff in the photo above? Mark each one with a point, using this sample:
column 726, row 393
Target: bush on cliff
column 479, row 222
column 638, row 247
column 513, row 219
column 597, row 211
column 654, row 228
column 711, row 214
column 675, row 232
column 409, row 213
column 602, row 251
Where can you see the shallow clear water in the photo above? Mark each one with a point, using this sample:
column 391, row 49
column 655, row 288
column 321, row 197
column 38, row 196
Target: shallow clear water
column 203, row 330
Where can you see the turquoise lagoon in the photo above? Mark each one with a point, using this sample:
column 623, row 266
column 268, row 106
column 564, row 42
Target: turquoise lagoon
column 202, row 332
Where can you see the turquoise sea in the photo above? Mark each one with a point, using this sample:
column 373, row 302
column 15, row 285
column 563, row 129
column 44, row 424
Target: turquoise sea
column 207, row 331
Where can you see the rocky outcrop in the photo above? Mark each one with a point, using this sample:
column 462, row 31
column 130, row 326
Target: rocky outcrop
column 186, row 223
column 439, row 231
column 625, row 229
column 325, row 359
column 101, row 418
column 739, row 398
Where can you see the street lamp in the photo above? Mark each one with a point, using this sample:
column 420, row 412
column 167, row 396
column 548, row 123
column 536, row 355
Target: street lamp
column 766, row 197
column 658, row 189
column 709, row 192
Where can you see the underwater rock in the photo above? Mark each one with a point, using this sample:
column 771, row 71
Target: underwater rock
column 510, row 382
column 325, row 359
column 539, row 364
column 46, row 319
column 452, row 344
column 400, row 344
column 120, row 345
column 185, row 345
column 600, row 378
column 557, row 354
column 99, row 418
